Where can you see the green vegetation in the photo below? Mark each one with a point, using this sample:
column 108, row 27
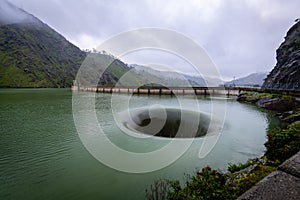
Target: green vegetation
column 237, row 167
column 209, row 184
column 206, row 184
column 282, row 143
column 252, row 97
column 245, row 183
column 37, row 56
column 34, row 55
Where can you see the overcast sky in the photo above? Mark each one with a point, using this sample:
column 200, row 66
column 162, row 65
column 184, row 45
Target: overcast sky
column 241, row 37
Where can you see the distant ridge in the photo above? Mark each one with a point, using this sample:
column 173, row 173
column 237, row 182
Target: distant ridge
column 174, row 78
column 254, row 79
column 32, row 54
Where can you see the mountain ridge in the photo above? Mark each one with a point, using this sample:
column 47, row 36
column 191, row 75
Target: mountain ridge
column 253, row 79
column 182, row 78
column 32, row 54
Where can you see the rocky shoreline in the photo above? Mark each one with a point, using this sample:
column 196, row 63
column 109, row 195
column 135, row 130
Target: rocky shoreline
column 281, row 140
column 288, row 112
column 282, row 144
column 275, row 102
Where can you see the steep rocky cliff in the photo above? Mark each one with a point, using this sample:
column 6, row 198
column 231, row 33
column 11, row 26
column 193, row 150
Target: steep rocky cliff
column 286, row 73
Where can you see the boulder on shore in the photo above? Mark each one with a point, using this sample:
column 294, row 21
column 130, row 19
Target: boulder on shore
column 277, row 104
column 269, row 101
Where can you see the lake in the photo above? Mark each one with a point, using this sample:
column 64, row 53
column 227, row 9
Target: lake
column 43, row 156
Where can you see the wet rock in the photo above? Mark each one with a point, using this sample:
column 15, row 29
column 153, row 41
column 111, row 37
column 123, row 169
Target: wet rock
column 278, row 185
column 277, row 104
column 292, row 118
column 281, row 184
column 283, row 115
column 292, row 165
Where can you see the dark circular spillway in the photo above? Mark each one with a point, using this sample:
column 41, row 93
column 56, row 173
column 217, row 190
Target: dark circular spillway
column 168, row 122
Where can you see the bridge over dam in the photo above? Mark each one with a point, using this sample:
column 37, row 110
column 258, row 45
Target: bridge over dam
column 161, row 90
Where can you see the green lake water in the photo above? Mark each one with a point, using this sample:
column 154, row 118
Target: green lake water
column 42, row 156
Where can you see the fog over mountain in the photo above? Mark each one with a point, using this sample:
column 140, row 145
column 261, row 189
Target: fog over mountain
column 254, row 79
column 239, row 36
column 10, row 14
column 35, row 51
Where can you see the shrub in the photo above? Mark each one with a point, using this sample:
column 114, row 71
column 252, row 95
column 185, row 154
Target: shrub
column 245, row 183
column 253, row 97
column 206, row 184
column 237, row 167
column 283, row 143
column 212, row 184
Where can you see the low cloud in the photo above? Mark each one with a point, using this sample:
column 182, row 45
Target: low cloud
column 241, row 37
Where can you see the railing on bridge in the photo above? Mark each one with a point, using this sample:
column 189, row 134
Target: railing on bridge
column 161, row 90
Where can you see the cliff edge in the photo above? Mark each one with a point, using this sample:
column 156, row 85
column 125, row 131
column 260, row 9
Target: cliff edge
column 286, row 73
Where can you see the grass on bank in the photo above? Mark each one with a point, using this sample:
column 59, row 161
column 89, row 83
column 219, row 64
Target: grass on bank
column 253, row 97
column 238, row 167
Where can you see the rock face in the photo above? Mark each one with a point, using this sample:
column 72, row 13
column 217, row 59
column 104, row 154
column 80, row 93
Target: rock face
column 286, row 73
column 269, row 101
column 277, row 104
